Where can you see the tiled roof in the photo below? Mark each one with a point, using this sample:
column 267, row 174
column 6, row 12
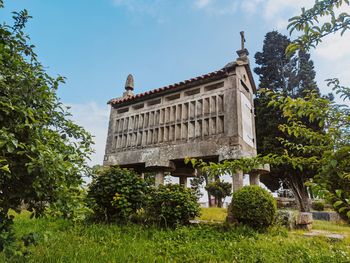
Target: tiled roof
column 184, row 83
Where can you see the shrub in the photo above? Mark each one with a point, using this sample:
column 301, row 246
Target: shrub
column 318, row 206
column 253, row 206
column 219, row 190
column 171, row 205
column 72, row 205
column 116, row 194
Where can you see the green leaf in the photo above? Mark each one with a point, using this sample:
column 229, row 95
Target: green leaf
column 338, row 192
column 338, row 203
column 5, row 168
column 342, row 209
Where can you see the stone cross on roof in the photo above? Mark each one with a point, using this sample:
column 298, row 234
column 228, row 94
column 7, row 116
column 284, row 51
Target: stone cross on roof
column 242, row 39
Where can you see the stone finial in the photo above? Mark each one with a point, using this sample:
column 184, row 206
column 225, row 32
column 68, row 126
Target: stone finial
column 129, row 84
column 243, row 52
column 242, row 39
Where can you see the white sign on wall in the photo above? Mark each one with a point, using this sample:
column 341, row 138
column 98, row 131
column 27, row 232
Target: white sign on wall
column 247, row 120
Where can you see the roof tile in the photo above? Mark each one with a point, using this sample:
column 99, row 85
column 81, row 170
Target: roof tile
column 181, row 83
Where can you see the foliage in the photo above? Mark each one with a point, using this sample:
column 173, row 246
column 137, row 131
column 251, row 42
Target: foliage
column 327, row 150
column 230, row 167
column 72, row 205
column 219, row 190
column 198, row 181
column 7, row 237
column 196, row 184
column 333, row 178
column 42, row 151
column 317, row 22
column 253, row 206
column 116, row 194
column 14, row 249
column 318, row 206
column 172, row 205
column 59, row 241
column 275, row 69
column 292, row 76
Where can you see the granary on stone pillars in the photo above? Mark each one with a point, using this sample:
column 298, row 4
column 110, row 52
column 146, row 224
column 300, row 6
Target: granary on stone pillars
column 209, row 117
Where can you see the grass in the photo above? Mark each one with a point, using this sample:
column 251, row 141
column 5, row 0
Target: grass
column 60, row 241
column 213, row 214
column 340, row 228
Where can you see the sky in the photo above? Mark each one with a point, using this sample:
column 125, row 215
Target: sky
column 95, row 44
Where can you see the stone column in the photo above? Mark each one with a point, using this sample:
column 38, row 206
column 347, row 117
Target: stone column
column 237, row 181
column 142, row 175
column 254, row 179
column 159, row 178
column 183, row 180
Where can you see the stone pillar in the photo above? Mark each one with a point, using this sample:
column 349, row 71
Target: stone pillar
column 183, row 180
column 254, row 179
column 142, row 175
column 159, row 178
column 237, row 181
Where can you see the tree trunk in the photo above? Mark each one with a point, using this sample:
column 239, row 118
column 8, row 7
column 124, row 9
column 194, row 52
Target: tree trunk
column 300, row 193
column 220, row 202
column 205, row 175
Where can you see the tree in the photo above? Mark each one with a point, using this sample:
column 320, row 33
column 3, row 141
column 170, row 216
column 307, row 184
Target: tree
column 42, row 152
column 306, row 75
column 325, row 150
column 220, row 190
column 197, row 182
column 275, row 69
column 333, row 178
column 290, row 76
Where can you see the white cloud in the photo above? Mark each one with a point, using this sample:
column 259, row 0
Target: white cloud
column 275, row 8
column 251, row 6
column 334, row 47
column 277, row 12
column 140, row 6
column 217, row 7
column 332, row 59
column 143, row 7
column 272, row 10
column 202, row 3
column 94, row 118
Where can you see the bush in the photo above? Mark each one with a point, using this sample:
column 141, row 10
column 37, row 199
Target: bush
column 253, row 206
column 116, row 194
column 72, row 205
column 171, row 205
column 318, row 206
column 219, row 190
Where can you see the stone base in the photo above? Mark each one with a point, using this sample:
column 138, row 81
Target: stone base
column 286, row 218
column 294, row 220
column 229, row 218
column 284, row 202
column 304, row 221
column 326, row 216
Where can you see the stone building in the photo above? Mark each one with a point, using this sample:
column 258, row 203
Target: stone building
column 209, row 117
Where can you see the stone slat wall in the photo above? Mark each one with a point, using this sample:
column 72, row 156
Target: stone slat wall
column 187, row 120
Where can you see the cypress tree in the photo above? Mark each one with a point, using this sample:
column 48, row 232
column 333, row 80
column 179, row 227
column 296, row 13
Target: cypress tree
column 291, row 76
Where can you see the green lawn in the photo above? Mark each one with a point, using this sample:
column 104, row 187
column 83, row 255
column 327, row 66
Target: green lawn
column 213, row 214
column 59, row 241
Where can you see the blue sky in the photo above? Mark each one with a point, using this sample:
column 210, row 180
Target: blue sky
column 96, row 43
